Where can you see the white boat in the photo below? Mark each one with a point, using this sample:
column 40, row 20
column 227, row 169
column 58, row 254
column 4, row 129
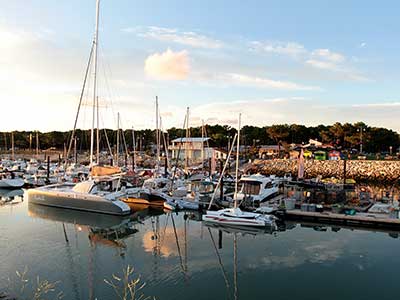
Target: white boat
column 257, row 188
column 100, row 196
column 11, row 183
column 235, row 216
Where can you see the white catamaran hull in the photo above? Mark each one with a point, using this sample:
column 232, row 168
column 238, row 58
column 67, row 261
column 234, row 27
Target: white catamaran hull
column 60, row 196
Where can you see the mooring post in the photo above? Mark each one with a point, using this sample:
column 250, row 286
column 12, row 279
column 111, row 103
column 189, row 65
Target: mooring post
column 219, row 239
column 344, row 170
column 221, row 195
column 48, row 168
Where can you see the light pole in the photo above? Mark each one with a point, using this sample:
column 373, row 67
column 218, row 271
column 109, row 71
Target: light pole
column 361, row 130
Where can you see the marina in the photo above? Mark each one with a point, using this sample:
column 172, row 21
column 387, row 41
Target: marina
column 177, row 150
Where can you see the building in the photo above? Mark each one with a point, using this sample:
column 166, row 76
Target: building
column 194, row 148
column 270, row 151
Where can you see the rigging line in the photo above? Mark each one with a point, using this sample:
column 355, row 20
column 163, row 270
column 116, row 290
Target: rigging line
column 179, row 152
column 220, row 263
column 107, row 84
column 223, row 172
column 105, row 133
column 165, row 144
column 80, row 102
column 123, row 137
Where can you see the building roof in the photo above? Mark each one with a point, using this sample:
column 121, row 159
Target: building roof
column 190, row 140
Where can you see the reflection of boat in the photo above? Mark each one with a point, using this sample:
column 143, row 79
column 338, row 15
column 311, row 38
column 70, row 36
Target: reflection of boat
column 235, row 216
column 7, row 195
column 11, row 183
column 244, row 230
column 100, row 196
column 77, row 217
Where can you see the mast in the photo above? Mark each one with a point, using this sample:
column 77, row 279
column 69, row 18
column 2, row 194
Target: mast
column 98, row 133
column 12, row 146
column 30, row 143
column 187, row 141
column 117, row 152
column 237, row 162
column 202, row 144
column 157, row 136
column 37, row 143
column 134, row 150
column 95, row 43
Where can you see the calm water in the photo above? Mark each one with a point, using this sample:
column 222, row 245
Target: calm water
column 181, row 262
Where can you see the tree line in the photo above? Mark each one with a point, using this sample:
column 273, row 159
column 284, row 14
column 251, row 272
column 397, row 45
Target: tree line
column 340, row 136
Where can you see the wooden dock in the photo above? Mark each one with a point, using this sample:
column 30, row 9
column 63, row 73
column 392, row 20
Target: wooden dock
column 360, row 219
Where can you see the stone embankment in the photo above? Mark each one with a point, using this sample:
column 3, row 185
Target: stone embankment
column 359, row 170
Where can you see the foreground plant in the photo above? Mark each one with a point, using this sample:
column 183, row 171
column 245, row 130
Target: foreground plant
column 24, row 288
column 126, row 287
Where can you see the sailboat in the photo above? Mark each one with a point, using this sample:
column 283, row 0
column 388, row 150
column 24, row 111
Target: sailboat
column 235, row 216
column 100, row 194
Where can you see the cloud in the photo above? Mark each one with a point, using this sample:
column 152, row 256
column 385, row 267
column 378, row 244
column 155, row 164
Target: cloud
column 328, row 55
column 362, row 45
column 168, row 65
column 267, row 83
column 187, row 38
column 288, row 48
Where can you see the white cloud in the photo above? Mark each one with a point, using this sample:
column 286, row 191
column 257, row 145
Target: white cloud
column 328, row 55
column 168, row 65
column 266, row 82
column 170, row 35
column 289, row 48
column 363, row 45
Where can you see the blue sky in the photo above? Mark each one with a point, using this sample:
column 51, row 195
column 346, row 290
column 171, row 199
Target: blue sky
column 306, row 62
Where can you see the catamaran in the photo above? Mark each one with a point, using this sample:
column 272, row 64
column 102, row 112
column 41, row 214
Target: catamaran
column 102, row 192
column 235, row 216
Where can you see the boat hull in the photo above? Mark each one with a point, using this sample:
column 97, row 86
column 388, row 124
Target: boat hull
column 82, row 202
column 15, row 183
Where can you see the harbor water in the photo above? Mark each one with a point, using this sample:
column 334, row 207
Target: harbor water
column 178, row 257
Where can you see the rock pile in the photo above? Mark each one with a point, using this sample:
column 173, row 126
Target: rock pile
column 359, row 170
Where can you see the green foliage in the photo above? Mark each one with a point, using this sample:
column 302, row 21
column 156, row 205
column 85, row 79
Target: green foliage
column 345, row 136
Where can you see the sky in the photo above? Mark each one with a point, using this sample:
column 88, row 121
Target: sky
column 307, row 62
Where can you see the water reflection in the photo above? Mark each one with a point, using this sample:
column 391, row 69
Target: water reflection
column 177, row 255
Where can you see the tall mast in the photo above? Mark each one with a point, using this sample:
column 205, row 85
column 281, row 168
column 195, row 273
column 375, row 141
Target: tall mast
column 12, row 146
column 134, row 149
column 117, row 152
column 187, row 141
column 237, row 162
column 37, row 143
column 98, row 133
column 157, row 135
column 202, row 144
column 95, row 43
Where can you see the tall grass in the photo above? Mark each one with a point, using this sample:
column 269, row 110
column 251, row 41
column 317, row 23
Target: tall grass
column 126, row 287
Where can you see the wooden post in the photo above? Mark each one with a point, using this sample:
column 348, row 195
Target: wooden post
column 165, row 166
column 219, row 239
column 344, row 171
column 48, row 169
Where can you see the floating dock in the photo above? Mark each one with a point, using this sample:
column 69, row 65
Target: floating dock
column 360, row 219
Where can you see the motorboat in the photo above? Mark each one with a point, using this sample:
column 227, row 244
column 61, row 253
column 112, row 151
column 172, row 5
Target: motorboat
column 101, row 195
column 257, row 188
